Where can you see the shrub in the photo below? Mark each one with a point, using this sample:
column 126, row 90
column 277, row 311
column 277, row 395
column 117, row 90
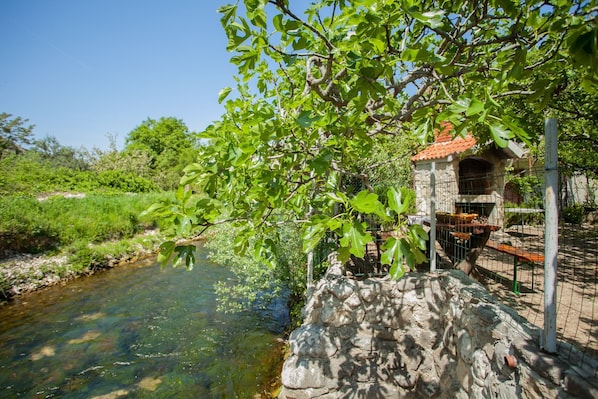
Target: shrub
column 23, row 227
column 28, row 225
column 122, row 181
column 573, row 214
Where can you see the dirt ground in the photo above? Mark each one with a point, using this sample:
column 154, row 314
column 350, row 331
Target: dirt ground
column 577, row 283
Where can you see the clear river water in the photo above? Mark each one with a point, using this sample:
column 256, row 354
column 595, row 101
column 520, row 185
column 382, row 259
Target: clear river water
column 137, row 331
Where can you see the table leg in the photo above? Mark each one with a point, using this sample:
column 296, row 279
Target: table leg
column 478, row 242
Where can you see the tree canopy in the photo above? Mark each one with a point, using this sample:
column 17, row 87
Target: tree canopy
column 320, row 85
column 168, row 144
column 14, row 134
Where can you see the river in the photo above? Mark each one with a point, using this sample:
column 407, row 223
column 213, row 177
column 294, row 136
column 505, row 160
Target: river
column 137, row 331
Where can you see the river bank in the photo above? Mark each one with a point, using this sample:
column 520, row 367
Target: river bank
column 24, row 273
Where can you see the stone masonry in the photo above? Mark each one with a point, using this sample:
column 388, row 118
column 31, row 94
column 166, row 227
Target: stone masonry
column 424, row 336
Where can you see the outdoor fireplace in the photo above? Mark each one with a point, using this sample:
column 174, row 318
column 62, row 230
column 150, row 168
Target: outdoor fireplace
column 475, row 176
column 467, row 178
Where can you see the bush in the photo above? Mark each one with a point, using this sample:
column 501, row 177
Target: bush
column 28, row 225
column 122, row 181
column 573, row 214
column 23, row 227
column 86, row 259
column 256, row 283
column 29, row 175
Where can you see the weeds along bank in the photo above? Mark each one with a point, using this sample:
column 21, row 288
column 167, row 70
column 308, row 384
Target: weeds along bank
column 46, row 240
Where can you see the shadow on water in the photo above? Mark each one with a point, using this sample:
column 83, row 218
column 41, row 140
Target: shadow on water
column 136, row 331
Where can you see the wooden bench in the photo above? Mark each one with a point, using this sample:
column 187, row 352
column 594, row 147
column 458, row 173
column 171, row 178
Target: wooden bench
column 520, row 257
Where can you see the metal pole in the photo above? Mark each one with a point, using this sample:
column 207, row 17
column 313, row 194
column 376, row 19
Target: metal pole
column 310, row 274
column 433, row 217
column 551, row 235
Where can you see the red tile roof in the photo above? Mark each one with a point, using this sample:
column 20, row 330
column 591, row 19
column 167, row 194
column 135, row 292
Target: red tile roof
column 445, row 145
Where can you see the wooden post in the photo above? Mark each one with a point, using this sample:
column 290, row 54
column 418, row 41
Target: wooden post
column 433, row 217
column 551, row 235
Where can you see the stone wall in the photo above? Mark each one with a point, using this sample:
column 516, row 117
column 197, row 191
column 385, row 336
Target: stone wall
column 424, row 336
column 446, row 177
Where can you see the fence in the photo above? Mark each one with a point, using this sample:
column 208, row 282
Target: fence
column 511, row 265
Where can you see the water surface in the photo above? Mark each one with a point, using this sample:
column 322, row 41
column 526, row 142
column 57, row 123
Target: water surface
column 136, row 331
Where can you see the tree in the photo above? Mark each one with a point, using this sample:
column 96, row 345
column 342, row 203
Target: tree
column 60, row 156
column 333, row 78
column 169, row 145
column 14, row 135
column 134, row 161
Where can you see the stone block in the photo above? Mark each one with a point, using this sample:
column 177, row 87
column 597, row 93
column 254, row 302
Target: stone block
column 298, row 373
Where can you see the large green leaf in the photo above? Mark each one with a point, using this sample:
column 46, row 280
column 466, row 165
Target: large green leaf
column 165, row 252
column 185, row 254
column 475, row 107
column 355, row 238
column 500, row 135
column 365, row 202
column 314, row 231
column 431, row 18
column 393, row 255
column 306, row 118
column 223, row 94
column 397, row 200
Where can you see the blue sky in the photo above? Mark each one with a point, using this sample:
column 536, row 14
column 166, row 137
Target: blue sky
column 82, row 69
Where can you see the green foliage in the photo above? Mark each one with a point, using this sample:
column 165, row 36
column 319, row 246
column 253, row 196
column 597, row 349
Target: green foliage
column 84, row 258
column 123, row 181
column 59, row 156
column 23, row 227
column 388, row 163
column 169, row 147
column 31, row 174
column 14, row 135
column 29, row 225
column 573, row 214
column 257, row 282
column 528, row 186
column 336, row 81
column 576, row 111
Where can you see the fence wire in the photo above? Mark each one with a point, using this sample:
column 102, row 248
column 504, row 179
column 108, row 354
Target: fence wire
column 517, row 236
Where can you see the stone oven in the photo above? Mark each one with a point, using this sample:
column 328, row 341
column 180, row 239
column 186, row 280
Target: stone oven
column 469, row 177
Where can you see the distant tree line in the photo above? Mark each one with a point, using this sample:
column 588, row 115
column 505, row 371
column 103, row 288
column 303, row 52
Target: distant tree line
column 153, row 158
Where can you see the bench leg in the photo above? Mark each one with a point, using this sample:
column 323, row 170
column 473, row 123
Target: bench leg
column 515, row 283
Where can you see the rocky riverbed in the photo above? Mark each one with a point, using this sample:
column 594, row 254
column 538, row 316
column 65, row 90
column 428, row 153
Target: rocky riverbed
column 23, row 273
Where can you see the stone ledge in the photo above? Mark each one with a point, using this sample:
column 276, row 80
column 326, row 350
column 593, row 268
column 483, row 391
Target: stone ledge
column 424, row 336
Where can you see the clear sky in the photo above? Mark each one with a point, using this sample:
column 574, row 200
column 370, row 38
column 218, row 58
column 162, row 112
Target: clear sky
column 82, row 69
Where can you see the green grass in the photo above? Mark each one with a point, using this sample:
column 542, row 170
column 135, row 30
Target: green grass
column 31, row 226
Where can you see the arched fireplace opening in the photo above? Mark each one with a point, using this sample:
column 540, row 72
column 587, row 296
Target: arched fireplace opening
column 475, row 177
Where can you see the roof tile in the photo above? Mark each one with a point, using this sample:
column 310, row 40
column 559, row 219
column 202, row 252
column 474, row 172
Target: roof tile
column 445, row 145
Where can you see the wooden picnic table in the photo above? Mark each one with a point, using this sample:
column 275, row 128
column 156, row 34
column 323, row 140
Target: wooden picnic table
column 463, row 242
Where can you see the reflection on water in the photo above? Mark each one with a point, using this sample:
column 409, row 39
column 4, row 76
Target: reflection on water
column 135, row 331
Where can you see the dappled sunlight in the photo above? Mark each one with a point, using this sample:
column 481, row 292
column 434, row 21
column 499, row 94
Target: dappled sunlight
column 46, row 351
column 113, row 395
column 88, row 336
column 149, row 383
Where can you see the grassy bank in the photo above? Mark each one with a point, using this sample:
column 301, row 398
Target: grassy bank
column 42, row 242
